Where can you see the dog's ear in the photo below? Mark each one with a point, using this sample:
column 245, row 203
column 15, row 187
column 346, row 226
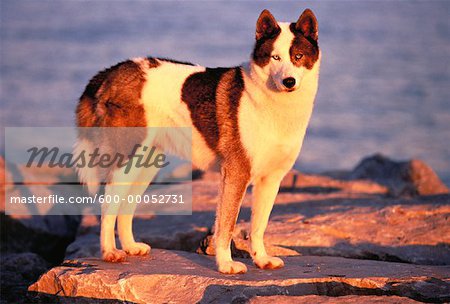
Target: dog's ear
column 266, row 26
column 307, row 25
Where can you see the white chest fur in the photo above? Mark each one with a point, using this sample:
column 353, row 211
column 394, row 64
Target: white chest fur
column 272, row 125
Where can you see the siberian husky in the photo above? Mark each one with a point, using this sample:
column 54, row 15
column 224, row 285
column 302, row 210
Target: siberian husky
column 249, row 120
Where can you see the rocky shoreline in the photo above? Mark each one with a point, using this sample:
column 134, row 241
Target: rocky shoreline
column 381, row 231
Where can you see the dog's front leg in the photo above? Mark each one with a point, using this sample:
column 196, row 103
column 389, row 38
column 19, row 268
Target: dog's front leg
column 233, row 187
column 264, row 192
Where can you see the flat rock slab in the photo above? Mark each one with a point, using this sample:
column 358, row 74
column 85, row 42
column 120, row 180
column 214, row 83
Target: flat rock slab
column 183, row 277
column 331, row 300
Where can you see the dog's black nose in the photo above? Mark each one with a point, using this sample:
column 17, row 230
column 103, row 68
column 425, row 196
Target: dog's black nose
column 289, row 82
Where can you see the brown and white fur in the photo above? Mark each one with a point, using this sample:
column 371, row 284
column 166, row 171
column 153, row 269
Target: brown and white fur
column 250, row 120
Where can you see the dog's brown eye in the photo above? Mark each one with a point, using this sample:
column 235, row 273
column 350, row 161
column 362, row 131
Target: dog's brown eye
column 298, row 56
column 276, row 57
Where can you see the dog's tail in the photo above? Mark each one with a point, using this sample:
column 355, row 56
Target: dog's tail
column 89, row 114
column 87, row 176
column 110, row 100
column 87, row 117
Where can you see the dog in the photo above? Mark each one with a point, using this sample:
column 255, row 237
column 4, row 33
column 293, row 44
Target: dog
column 248, row 120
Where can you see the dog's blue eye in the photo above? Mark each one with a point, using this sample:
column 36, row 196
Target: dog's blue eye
column 298, row 56
column 276, row 57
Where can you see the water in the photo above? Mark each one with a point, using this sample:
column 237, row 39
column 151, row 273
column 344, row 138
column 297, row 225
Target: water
column 384, row 77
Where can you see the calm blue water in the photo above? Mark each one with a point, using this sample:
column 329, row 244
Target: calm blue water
column 384, row 79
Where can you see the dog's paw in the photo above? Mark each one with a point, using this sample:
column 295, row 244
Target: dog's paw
column 232, row 267
column 115, row 255
column 268, row 262
column 137, row 248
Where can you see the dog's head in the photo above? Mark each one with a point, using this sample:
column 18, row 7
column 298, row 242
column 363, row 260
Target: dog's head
column 285, row 52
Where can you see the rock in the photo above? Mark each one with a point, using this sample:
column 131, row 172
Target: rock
column 313, row 215
column 46, row 235
column 30, row 244
column 296, row 182
column 331, row 300
column 182, row 277
column 166, row 232
column 18, row 271
column 319, row 215
column 353, row 225
column 410, row 230
column 401, row 178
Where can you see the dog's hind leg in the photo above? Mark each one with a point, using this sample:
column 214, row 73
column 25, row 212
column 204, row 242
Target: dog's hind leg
column 125, row 217
column 122, row 184
column 264, row 192
column 234, row 185
column 108, row 221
